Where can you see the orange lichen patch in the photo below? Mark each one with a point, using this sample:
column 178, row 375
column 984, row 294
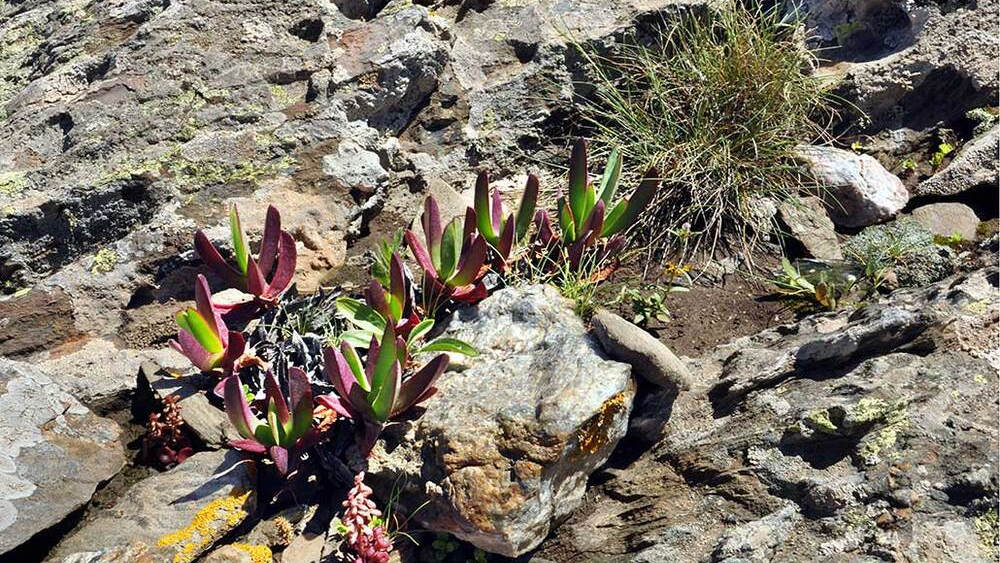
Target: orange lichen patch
column 258, row 553
column 212, row 522
column 593, row 435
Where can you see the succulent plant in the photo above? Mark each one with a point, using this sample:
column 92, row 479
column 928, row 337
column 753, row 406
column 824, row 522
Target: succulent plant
column 454, row 258
column 265, row 278
column 203, row 336
column 586, row 214
column 381, row 389
column 288, row 426
column 503, row 233
column 363, row 525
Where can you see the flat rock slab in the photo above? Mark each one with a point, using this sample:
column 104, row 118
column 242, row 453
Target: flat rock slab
column 505, row 447
column 54, row 452
column 174, row 516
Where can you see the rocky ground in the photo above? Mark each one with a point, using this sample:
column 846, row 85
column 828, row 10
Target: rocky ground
column 865, row 434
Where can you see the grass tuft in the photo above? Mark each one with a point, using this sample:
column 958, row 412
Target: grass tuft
column 717, row 104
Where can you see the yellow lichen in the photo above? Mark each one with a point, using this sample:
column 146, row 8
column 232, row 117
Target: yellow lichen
column 212, row 522
column 104, row 261
column 258, row 553
column 593, row 435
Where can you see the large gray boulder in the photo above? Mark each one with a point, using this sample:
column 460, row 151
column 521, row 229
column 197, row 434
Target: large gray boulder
column 859, row 435
column 54, row 452
column 859, row 191
column 505, row 447
column 174, row 516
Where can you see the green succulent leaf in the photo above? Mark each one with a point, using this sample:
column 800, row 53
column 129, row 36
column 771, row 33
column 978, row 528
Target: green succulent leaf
column 202, row 331
column 612, row 172
column 240, row 248
column 419, row 331
column 451, row 249
column 354, row 362
column 361, row 315
column 357, row 338
column 445, row 344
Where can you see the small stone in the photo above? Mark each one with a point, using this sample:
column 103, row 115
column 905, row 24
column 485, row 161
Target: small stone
column 354, row 167
column 808, row 223
column 859, row 190
column 948, row 219
column 648, row 357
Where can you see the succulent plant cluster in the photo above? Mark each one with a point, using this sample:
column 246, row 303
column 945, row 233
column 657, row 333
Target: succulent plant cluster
column 311, row 361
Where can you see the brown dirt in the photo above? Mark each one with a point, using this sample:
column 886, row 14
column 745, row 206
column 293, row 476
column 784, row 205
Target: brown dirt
column 706, row 317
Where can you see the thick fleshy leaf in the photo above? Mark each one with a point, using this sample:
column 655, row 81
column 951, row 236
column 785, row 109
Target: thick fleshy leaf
column 612, row 172
column 399, row 289
column 614, row 218
column 214, row 260
column 336, row 404
column 279, row 455
column 637, row 203
column 203, row 302
column 256, row 284
column 469, row 293
column 472, row 262
column 241, row 251
column 385, row 358
column 451, row 249
column 356, row 337
column 285, row 268
column 496, row 212
column 421, row 254
column 249, row 445
column 274, row 396
column 234, row 350
column 354, row 364
column 360, row 315
column 202, row 332
column 526, row 211
column 445, row 344
column 417, row 385
column 506, row 242
column 481, row 200
column 300, row 399
column 237, row 408
column 431, row 222
column 269, row 242
column 201, row 358
column 418, row 332
column 594, row 224
column 566, row 220
column 375, row 297
column 386, row 394
column 543, row 228
column 578, row 181
column 469, row 225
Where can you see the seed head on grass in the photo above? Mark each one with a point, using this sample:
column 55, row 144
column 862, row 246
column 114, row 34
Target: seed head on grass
column 717, row 104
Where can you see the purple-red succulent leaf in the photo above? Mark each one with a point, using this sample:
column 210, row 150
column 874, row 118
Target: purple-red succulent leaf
column 526, row 211
column 211, row 257
column 566, row 220
column 285, row 268
column 234, row 350
column 496, row 212
column 269, row 242
column 578, row 182
column 375, row 296
column 301, row 399
column 201, row 358
column 543, row 228
column 594, row 225
column 399, row 288
column 417, row 385
column 469, row 226
column 421, row 255
column 506, row 243
column 471, row 263
column 274, row 396
column 279, row 455
column 238, row 409
column 431, row 222
column 338, row 405
column 249, row 445
column 256, row 284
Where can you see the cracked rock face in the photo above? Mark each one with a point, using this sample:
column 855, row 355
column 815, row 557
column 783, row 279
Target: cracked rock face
column 866, row 435
column 54, row 452
column 505, row 447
